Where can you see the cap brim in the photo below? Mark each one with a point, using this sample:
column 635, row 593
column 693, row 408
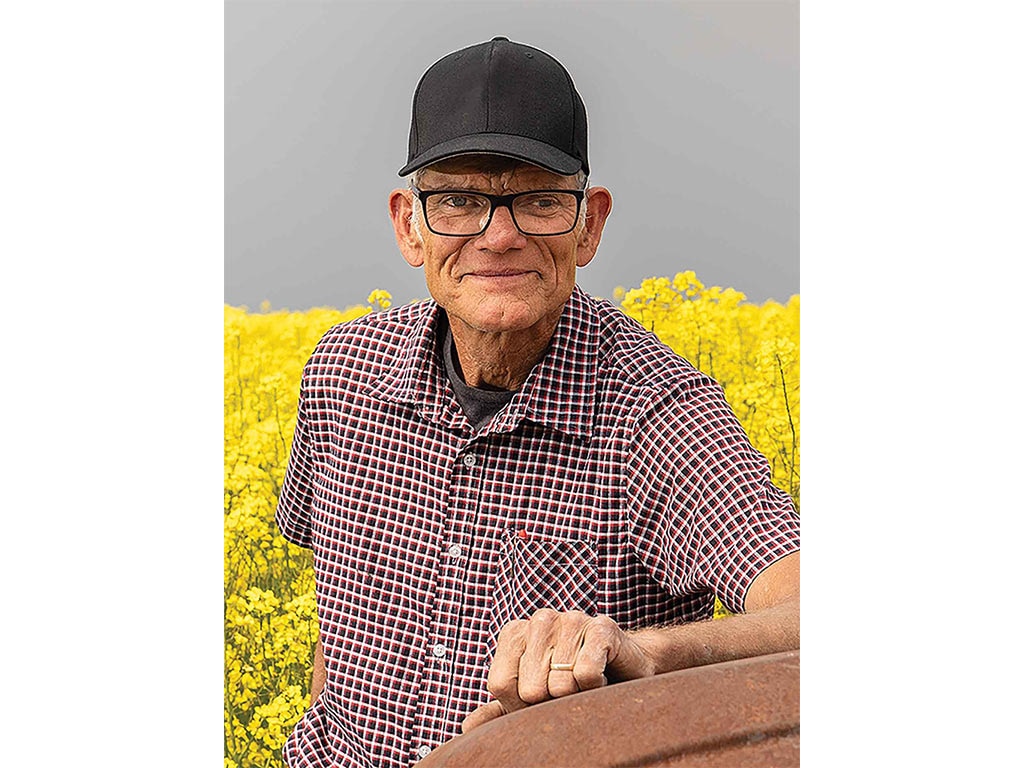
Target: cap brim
column 507, row 145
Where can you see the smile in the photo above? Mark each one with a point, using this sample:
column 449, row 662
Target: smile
column 499, row 274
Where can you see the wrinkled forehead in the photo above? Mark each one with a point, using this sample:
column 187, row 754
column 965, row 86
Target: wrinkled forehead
column 492, row 171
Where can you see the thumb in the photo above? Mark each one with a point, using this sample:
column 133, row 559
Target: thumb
column 490, row 711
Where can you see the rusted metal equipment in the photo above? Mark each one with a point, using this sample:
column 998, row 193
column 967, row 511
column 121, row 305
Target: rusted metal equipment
column 731, row 715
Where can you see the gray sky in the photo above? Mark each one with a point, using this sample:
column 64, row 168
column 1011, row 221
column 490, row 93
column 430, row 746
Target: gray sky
column 693, row 112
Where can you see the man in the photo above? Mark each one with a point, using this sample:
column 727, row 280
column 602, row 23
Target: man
column 513, row 492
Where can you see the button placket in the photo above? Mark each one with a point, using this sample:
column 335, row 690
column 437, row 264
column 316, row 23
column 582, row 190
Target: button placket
column 442, row 643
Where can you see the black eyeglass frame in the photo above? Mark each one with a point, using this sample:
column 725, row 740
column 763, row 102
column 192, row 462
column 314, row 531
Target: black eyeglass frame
column 499, row 201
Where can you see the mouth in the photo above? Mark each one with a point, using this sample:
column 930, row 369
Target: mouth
column 498, row 274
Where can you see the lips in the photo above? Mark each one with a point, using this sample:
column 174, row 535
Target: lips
column 492, row 273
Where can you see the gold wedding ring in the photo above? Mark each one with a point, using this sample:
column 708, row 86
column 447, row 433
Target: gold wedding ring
column 562, row 667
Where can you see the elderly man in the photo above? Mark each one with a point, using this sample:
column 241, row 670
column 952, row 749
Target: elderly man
column 513, row 492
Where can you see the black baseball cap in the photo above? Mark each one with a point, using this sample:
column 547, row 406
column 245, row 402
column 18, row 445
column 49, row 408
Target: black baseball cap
column 499, row 98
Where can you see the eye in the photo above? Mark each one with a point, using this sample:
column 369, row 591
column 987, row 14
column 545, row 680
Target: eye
column 457, row 202
column 541, row 203
column 544, row 204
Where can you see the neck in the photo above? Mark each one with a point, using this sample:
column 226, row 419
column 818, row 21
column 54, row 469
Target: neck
column 500, row 359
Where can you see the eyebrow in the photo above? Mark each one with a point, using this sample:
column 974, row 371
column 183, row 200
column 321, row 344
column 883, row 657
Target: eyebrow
column 485, row 190
column 455, row 188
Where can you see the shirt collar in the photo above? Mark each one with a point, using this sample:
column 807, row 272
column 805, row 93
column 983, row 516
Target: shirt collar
column 558, row 393
column 417, row 377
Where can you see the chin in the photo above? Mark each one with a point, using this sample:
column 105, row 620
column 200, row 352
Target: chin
column 499, row 316
column 499, row 323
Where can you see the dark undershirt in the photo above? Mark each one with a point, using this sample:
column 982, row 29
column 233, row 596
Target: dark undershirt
column 479, row 404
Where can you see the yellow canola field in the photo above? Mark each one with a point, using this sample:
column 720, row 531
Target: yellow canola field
column 269, row 608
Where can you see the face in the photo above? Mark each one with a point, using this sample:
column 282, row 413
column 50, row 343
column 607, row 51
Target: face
column 501, row 280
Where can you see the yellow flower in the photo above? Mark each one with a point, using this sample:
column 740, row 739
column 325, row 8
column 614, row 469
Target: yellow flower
column 379, row 297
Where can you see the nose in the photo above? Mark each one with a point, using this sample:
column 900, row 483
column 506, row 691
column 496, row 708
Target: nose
column 501, row 234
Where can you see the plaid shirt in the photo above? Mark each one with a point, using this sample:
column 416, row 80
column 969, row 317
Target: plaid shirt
column 616, row 481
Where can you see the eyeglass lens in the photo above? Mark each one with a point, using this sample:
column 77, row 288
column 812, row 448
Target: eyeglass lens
column 534, row 213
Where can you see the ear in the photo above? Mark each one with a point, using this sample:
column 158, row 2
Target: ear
column 400, row 203
column 599, row 205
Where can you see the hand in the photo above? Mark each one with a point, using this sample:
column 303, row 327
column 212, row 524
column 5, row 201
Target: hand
column 521, row 674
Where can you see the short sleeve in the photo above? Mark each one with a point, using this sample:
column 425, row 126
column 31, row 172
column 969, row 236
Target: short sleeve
column 704, row 513
column 294, row 505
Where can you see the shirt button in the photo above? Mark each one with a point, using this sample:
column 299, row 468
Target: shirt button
column 469, row 460
column 439, row 650
column 422, row 751
column 455, row 550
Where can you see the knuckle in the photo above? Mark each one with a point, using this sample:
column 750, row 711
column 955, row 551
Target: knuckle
column 501, row 687
column 544, row 616
column 574, row 620
column 511, row 630
column 560, row 688
column 532, row 693
column 603, row 626
column 589, row 677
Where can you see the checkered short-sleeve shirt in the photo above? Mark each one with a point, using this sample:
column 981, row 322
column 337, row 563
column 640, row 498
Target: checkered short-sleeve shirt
column 616, row 481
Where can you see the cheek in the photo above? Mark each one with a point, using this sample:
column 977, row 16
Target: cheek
column 438, row 265
column 566, row 263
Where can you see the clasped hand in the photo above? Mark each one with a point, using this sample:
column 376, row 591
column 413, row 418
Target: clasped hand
column 554, row 654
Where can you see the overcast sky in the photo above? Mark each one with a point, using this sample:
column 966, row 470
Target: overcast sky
column 693, row 114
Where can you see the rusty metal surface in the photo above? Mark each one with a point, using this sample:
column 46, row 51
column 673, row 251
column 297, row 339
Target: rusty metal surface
column 736, row 714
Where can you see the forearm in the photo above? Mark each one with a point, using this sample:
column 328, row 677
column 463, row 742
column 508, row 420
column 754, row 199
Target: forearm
column 769, row 630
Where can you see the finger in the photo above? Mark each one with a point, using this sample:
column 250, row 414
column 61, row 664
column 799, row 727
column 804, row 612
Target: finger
column 608, row 653
column 562, row 682
column 503, row 677
column 592, row 658
column 482, row 714
column 542, row 634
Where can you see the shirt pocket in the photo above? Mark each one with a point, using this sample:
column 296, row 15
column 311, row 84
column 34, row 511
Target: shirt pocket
column 536, row 572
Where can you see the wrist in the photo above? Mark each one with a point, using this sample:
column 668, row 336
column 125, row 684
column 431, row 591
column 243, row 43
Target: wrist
column 672, row 648
column 651, row 645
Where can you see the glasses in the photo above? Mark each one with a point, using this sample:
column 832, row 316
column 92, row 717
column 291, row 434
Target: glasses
column 540, row 212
